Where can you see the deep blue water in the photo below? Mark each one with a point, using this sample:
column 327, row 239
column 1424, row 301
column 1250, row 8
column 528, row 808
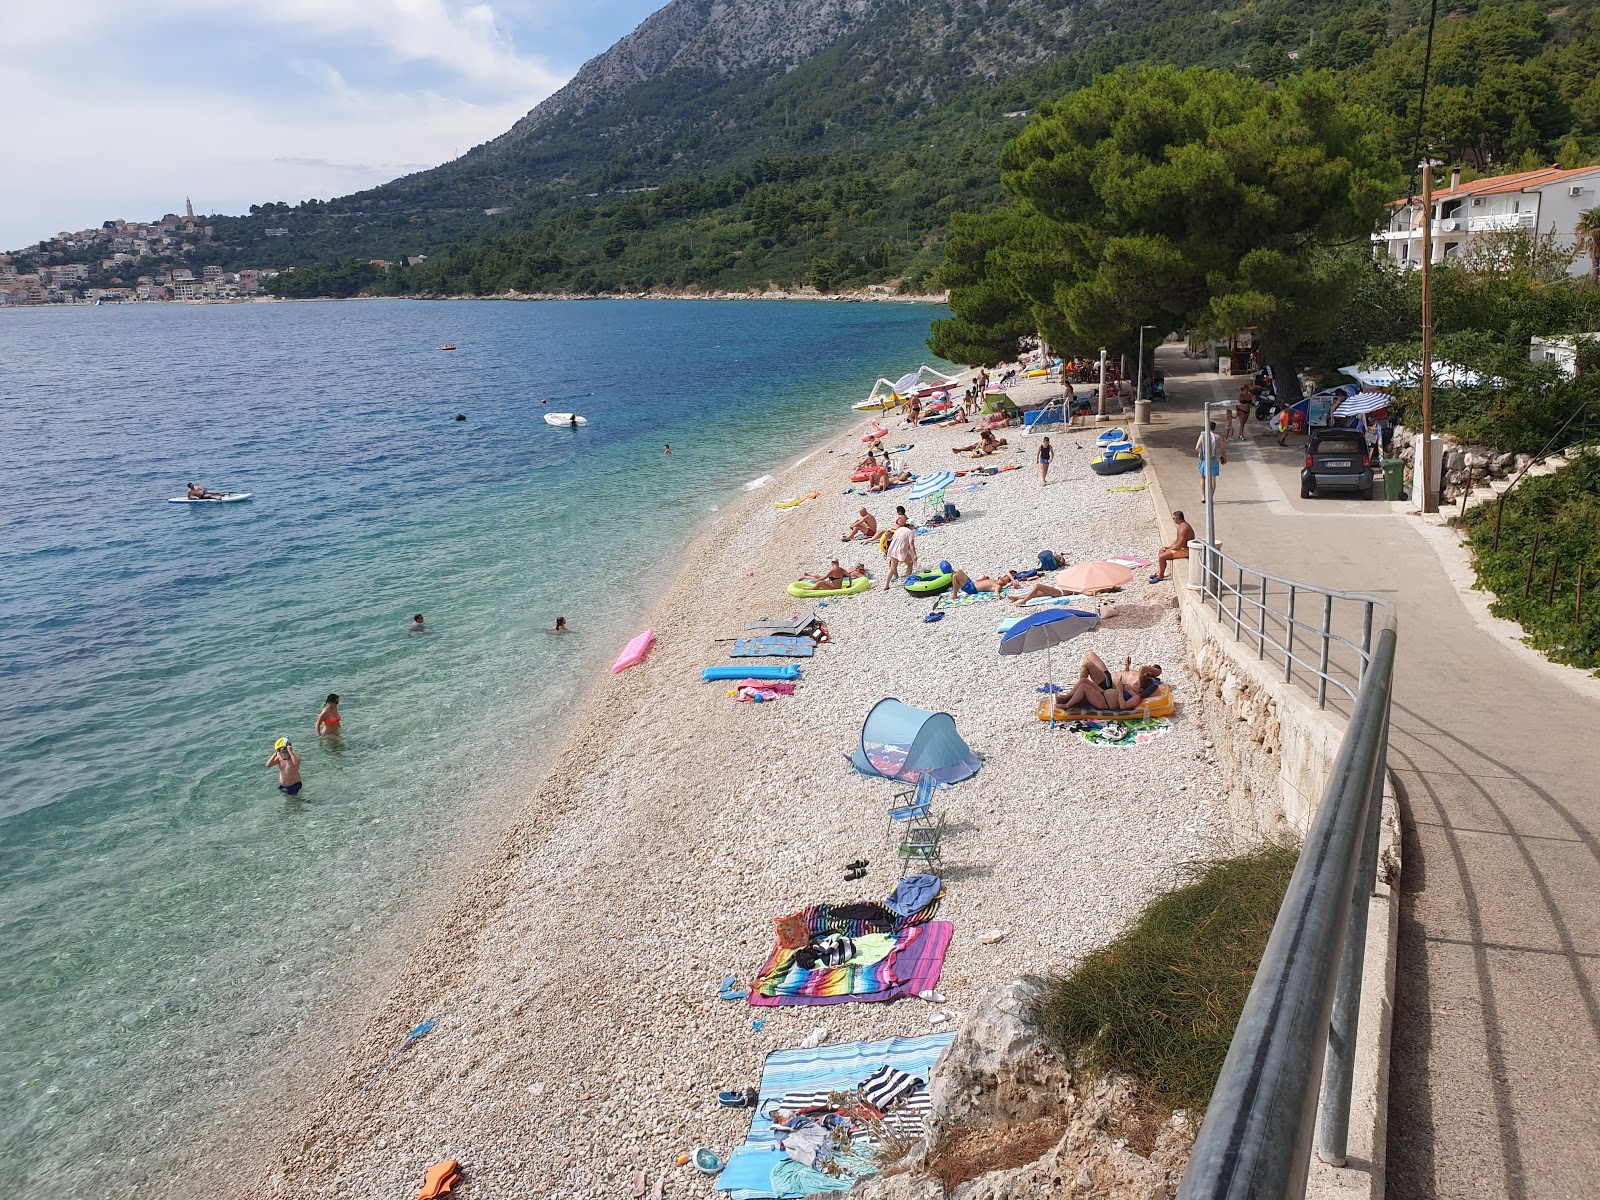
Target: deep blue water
column 175, row 934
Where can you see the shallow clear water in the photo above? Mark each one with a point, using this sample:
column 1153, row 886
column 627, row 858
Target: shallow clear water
column 172, row 930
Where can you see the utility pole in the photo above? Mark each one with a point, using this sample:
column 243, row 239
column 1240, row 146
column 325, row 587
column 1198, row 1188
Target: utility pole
column 1425, row 457
column 1101, row 415
column 1138, row 388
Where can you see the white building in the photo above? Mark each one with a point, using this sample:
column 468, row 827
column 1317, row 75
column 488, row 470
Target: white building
column 1547, row 201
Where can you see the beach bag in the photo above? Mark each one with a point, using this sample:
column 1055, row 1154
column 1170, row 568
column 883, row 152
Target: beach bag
column 951, row 512
column 792, row 931
column 1048, row 561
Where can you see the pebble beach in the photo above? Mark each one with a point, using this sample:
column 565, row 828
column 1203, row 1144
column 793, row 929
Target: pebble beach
column 579, row 1037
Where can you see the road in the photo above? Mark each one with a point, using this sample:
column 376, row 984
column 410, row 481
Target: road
column 1495, row 1075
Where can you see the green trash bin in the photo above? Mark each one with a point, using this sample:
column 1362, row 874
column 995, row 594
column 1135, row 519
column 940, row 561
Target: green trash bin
column 1394, row 478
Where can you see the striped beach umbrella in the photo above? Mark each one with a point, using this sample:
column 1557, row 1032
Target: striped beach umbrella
column 931, row 484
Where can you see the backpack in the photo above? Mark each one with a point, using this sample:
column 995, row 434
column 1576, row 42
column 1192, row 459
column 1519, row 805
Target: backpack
column 1048, row 561
column 951, row 512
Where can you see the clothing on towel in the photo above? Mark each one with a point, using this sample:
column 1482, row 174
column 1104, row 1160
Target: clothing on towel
column 829, row 950
column 871, row 948
column 912, row 893
column 912, row 967
column 808, row 1145
column 887, row 1086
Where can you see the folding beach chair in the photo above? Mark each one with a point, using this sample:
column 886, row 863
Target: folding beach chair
column 917, row 809
column 921, row 845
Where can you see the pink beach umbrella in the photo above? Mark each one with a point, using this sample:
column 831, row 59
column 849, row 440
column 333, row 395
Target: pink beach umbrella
column 1092, row 577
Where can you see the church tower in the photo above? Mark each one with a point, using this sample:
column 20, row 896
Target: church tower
column 188, row 208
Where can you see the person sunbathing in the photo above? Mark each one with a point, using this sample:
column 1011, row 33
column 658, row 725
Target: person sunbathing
column 1039, row 589
column 865, row 528
column 834, row 577
column 960, row 581
column 1100, row 688
column 882, row 479
column 986, row 444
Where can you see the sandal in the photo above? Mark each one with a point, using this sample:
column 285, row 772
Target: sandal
column 737, row 1099
column 730, row 989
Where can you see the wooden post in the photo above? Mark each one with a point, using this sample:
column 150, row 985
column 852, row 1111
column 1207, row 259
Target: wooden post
column 1550, row 596
column 1532, row 554
column 1465, row 492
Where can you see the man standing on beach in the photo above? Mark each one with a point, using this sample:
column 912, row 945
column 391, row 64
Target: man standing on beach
column 902, row 553
column 288, row 764
column 1213, row 452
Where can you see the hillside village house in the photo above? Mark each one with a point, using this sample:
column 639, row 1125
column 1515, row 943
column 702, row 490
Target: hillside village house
column 1546, row 201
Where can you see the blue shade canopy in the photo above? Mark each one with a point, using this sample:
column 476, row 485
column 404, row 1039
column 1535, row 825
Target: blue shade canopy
column 905, row 743
column 1046, row 628
column 1364, row 402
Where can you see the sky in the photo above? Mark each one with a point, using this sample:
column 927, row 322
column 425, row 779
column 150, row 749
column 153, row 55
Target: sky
column 122, row 108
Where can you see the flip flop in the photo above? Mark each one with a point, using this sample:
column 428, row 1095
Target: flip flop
column 737, row 1099
column 638, row 1185
column 661, row 1188
column 730, row 990
column 1158, row 579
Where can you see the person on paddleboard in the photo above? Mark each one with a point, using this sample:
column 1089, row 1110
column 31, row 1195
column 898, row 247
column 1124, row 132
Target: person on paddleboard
column 199, row 493
column 288, row 764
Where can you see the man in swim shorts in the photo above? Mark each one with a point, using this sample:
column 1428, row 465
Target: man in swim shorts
column 865, row 527
column 288, row 764
column 1178, row 549
column 1210, row 448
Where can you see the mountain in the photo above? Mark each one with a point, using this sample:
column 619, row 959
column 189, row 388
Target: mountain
column 728, row 143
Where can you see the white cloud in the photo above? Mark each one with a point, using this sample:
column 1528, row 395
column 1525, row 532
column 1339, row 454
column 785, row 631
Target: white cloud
column 353, row 93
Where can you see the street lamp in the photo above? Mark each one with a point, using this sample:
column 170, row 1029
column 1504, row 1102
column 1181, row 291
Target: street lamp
column 1138, row 391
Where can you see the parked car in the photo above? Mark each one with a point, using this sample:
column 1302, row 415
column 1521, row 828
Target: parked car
column 1336, row 461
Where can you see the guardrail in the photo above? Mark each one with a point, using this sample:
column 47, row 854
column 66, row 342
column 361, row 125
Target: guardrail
column 1298, row 1029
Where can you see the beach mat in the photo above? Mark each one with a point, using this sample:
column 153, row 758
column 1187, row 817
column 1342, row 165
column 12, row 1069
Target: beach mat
column 773, row 646
column 790, row 626
column 914, row 966
column 825, row 1069
column 781, row 671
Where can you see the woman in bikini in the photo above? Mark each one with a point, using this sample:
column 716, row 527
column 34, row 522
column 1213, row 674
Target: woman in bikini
column 1100, row 688
column 328, row 718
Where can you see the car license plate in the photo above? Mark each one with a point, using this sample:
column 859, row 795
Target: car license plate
column 1337, row 462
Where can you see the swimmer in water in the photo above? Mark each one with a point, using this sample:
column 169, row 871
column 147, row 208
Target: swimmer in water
column 417, row 626
column 666, row 451
column 328, row 718
column 559, row 627
column 288, row 764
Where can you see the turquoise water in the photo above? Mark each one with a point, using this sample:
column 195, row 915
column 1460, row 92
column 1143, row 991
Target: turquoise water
column 177, row 938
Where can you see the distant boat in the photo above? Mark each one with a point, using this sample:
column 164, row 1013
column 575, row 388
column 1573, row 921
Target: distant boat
column 447, row 347
column 567, row 419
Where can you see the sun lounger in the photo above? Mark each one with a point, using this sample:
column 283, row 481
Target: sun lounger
column 1158, row 704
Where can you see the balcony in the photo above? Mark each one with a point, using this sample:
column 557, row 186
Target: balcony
column 1409, row 233
column 1502, row 222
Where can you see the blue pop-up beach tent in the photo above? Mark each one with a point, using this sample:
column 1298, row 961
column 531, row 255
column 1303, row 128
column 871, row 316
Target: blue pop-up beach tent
column 905, row 743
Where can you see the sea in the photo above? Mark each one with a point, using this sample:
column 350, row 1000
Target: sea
column 183, row 947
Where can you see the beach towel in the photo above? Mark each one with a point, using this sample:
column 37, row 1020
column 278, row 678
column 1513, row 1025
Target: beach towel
column 773, row 646
column 1122, row 733
column 1136, row 487
column 1129, row 561
column 961, row 600
column 752, row 1171
column 912, row 967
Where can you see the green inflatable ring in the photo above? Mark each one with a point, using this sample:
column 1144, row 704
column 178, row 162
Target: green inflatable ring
column 927, row 583
column 803, row 589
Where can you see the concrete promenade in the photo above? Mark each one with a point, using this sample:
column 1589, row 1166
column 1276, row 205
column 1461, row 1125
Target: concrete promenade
column 1495, row 1074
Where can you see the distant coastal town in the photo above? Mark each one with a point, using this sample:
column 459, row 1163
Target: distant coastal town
column 122, row 262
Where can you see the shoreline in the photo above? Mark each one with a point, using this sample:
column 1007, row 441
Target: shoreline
column 809, row 295
column 670, row 820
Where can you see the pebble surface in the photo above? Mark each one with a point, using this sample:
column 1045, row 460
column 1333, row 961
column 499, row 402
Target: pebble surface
column 575, row 978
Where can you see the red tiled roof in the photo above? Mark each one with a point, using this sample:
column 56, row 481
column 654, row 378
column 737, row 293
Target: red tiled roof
column 1498, row 185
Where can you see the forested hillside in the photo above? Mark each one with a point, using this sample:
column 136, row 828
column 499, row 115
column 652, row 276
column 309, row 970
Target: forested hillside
column 846, row 168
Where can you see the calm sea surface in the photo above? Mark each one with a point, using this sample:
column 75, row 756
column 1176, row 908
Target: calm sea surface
column 177, row 939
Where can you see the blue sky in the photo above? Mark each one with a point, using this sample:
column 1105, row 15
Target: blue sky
column 121, row 108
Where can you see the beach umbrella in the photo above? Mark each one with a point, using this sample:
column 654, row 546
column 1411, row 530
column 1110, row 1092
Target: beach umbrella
column 1091, row 577
column 1045, row 630
column 1364, row 402
column 934, row 483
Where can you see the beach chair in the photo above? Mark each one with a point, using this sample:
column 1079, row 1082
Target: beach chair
column 917, row 808
column 921, row 846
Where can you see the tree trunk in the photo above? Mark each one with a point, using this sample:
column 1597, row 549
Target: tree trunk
column 1284, row 374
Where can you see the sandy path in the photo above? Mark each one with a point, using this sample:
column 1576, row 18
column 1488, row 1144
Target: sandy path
column 574, row 982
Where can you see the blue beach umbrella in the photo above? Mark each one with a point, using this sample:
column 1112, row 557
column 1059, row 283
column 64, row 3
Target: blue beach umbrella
column 929, row 485
column 1045, row 630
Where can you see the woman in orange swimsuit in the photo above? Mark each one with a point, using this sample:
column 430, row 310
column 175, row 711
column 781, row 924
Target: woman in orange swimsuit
column 328, row 718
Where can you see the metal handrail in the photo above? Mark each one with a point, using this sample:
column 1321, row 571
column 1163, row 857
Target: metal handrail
column 1215, row 567
column 1297, row 1032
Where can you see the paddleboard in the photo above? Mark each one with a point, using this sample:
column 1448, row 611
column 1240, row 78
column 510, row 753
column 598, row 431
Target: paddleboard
column 230, row 498
column 563, row 419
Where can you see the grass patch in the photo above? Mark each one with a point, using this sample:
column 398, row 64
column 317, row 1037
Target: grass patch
column 1563, row 509
column 1160, row 1003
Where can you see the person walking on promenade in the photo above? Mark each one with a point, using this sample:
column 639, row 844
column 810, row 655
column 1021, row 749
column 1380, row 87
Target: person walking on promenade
column 1209, row 446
